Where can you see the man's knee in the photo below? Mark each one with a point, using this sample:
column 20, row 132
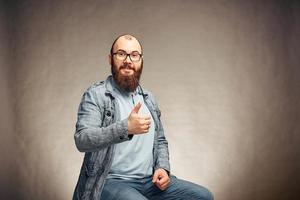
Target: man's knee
column 194, row 191
column 206, row 194
column 200, row 193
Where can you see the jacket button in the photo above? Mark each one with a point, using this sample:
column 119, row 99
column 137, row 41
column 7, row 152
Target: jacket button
column 121, row 137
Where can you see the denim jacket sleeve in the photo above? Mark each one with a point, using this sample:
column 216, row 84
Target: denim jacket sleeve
column 162, row 158
column 163, row 151
column 95, row 128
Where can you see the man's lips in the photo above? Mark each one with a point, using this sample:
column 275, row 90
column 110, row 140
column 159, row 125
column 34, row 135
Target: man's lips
column 127, row 70
column 126, row 67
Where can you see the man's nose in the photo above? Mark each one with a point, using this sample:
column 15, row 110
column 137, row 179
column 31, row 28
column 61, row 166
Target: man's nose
column 128, row 60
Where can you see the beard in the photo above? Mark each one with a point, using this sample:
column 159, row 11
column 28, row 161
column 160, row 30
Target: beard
column 129, row 83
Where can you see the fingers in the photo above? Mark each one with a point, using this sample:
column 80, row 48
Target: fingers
column 136, row 108
column 155, row 177
column 148, row 118
column 145, row 125
column 146, row 128
column 144, row 119
column 138, row 124
column 161, row 179
column 163, row 183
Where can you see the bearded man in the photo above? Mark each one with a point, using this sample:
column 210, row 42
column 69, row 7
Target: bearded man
column 120, row 131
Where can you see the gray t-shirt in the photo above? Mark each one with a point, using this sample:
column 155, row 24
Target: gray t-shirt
column 134, row 158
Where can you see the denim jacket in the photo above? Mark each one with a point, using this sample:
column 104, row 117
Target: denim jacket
column 99, row 128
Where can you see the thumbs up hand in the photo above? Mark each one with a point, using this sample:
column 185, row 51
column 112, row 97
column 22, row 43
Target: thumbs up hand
column 138, row 124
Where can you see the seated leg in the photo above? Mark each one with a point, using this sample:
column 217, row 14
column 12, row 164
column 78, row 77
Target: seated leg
column 179, row 190
column 120, row 190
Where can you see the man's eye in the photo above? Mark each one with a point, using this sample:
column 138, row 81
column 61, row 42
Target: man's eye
column 121, row 54
column 135, row 54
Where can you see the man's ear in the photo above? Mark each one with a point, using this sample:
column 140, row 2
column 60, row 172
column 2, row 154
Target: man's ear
column 109, row 59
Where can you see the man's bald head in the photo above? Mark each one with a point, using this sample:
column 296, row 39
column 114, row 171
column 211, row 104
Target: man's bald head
column 124, row 38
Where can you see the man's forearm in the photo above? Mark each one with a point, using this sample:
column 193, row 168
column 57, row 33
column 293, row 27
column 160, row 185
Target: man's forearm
column 95, row 139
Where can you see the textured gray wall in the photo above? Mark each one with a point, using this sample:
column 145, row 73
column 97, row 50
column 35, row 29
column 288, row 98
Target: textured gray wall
column 225, row 73
column 8, row 153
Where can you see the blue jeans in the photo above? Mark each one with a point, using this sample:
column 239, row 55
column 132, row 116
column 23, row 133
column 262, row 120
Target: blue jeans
column 144, row 189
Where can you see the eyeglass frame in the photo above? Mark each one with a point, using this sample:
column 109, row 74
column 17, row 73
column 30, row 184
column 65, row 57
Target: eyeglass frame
column 128, row 54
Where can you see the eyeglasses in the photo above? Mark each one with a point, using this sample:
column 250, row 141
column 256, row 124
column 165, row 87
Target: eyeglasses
column 134, row 56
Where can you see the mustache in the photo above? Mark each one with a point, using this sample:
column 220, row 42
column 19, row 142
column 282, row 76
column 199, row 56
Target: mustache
column 126, row 66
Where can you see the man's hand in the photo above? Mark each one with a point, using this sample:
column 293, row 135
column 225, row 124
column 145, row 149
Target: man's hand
column 136, row 123
column 161, row 179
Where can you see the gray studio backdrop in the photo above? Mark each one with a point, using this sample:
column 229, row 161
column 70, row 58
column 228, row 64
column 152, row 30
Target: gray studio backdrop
column 225, row 74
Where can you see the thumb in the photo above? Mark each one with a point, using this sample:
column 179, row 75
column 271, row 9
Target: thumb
column 155, row 177
column 137, row 108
